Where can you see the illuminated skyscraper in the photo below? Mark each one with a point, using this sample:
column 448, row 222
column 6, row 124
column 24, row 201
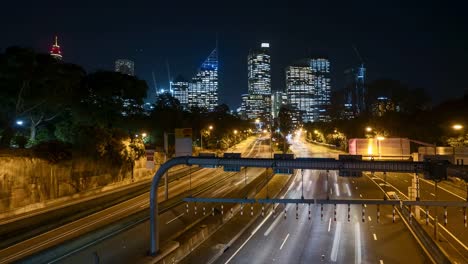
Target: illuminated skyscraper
column 180, row 88
column 203, row 90
column 355, row 91
column 258, row 102
column 55, row 50
column 308, row 89
column 278, row 99
column 321, row 82
column 259, row 76
column 125, row 66
column 300, row 90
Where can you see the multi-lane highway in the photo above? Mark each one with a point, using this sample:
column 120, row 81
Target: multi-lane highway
column 197, row 181
column 328, row 236
column 324, row 239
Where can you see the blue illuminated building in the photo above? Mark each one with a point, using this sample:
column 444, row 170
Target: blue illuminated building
column 203, row 89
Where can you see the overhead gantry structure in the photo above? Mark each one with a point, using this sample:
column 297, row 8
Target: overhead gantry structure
column 434, row 169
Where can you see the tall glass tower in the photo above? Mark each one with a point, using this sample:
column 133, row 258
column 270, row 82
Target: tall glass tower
column 203, row 90
column 180, row 87
column 300, row 90
column 321, row 71
column 258, row 102
column 259, row 76
column 355, row 91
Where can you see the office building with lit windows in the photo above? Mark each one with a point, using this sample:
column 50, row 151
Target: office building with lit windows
column 308, row 89
column 125, row 66
column 257, row 103
column 203, row 89
column 322, row 88
column 278, row 99
column 300, row 90
column 180, row 89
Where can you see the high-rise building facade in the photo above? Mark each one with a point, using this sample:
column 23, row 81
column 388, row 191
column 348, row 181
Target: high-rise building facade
column 258, row 102
column 259, row 75
column 55, row 50
column 355, row 91
column 300, row 90
column 180, row 88
column 308, row 89
column 322, row 86
column 203, row 90
column 125, row 66
column 278, row 99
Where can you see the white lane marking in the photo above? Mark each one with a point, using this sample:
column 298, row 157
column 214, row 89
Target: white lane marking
column 375, row 236
column 36, row 246
column 172, row 220
column 247, row 240
column 272, row 226
column 239, row 182
column 329, row 225
column 309, row 186
column 284, row 241
column 349, row 191
column 336, row 242
column 440, row 187
column 370, row 219
column 337, row 188
column 357, row 244
column 432, row 218
column 298, row 187
column 381, row 262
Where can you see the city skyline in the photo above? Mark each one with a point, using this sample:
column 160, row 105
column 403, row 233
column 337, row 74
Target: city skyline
column 406, row 49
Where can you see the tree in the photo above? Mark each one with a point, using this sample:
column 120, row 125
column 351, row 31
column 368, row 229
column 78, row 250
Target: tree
column 109, row 95
column 34, row 87
column 285, row 125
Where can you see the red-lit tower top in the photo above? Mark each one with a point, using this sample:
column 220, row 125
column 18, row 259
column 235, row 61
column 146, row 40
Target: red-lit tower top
column 55, row 51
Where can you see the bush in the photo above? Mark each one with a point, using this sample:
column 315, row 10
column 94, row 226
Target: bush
column 53, row 151
column 20, row 140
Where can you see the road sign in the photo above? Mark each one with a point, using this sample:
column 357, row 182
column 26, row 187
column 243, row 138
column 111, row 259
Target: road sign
column 183, row 142
column 150, row 159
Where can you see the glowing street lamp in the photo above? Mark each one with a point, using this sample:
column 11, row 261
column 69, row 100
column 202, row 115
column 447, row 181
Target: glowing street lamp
column 210, row 127
column 143, row 135
column 235, row 131
column 457, row 127
column 368, row 129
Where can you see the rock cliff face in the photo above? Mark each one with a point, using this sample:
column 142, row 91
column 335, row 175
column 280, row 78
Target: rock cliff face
column 25, row 181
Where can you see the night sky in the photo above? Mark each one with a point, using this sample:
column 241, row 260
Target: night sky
column 422, row 44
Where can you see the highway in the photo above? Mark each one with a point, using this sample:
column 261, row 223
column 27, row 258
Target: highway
column 454, row 235
column 174, row 219
column 324, row 240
